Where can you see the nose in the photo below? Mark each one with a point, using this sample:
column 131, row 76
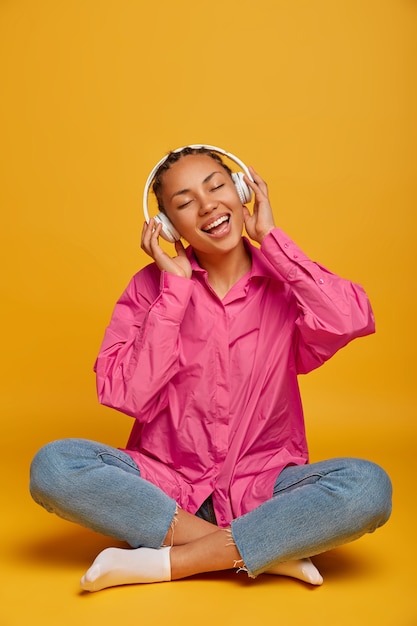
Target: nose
column 207, row 203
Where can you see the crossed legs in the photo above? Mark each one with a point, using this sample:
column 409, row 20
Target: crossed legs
column 190, row 554
column 314, row 508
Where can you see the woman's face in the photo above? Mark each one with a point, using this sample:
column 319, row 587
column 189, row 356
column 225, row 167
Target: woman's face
column 200, row 199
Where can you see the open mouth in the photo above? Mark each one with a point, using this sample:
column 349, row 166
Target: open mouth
column 217, row 226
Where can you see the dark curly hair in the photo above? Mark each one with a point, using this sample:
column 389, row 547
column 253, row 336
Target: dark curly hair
column 172, row 158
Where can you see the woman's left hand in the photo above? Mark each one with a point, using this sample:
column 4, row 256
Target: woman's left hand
column 261, row 221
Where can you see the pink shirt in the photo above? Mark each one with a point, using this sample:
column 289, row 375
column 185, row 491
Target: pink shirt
column 212, row 384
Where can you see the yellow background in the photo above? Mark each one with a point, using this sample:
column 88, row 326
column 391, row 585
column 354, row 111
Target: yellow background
column 320, row 97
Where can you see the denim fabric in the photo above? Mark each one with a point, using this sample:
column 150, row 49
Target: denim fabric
column 100, row 488
column 313, row 509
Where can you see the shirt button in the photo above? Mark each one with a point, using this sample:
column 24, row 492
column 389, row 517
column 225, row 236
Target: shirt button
column 285, row 245
column 295, row 256
column 321, row 281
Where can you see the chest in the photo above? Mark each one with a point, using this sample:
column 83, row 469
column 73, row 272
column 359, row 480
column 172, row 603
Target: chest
column 239, row 332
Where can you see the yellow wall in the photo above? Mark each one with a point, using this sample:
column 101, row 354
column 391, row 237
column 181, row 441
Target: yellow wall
column 320, row 96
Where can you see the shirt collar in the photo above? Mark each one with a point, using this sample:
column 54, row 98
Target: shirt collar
column 260, row 266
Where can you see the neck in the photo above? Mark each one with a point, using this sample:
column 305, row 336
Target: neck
column 224, row 270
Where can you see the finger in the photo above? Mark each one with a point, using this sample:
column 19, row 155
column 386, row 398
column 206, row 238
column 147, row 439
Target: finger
column 260, row 195
column 154, row 239
column 246, row 214
column 143, row 232
column 258, row 180
column 146, row 234
column 252, row 184
column 150, row 242
column 180, row 248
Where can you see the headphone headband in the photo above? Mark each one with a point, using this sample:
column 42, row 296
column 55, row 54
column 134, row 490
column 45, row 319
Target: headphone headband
column 151, row 176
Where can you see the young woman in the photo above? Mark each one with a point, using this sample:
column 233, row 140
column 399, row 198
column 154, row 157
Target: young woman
column 203, row 350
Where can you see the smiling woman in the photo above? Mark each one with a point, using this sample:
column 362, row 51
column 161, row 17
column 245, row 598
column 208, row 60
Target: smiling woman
column 203, row 351
column 202, row 203
column 169, row 232
column 201, row 197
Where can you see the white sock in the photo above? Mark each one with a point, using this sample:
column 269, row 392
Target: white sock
column 303, row 569
column 117, row 566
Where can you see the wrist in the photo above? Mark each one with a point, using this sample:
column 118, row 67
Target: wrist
column 265, row 233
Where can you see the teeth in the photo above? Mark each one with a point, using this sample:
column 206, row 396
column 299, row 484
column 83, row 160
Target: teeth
column 217, row 222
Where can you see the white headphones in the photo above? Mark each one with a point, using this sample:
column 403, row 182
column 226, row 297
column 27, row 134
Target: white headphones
column 169, row 232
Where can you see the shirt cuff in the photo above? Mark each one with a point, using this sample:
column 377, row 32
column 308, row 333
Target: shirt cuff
column 173, row 298
column 288, row 259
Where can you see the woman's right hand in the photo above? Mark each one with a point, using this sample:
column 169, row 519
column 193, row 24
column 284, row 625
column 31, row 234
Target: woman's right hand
column 178, row 265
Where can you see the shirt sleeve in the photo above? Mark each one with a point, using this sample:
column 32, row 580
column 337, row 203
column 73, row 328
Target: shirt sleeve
column 139, row 353
column 331, row 310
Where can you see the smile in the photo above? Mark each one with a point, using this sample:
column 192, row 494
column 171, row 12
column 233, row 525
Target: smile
column 216, row 223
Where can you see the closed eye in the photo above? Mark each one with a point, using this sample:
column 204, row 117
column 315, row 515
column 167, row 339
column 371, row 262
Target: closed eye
column 185, row 204
column 182, row 206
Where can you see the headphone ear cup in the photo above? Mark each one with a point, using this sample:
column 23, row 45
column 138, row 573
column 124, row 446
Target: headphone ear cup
column 168, row 232
column 244, row 191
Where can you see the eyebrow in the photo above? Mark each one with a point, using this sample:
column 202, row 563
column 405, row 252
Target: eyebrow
column 206, row 180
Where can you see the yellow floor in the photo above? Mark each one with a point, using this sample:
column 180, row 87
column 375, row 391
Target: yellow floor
column 370, row 582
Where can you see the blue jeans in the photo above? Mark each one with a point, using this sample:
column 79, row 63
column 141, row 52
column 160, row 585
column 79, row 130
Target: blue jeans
column 314, row 507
